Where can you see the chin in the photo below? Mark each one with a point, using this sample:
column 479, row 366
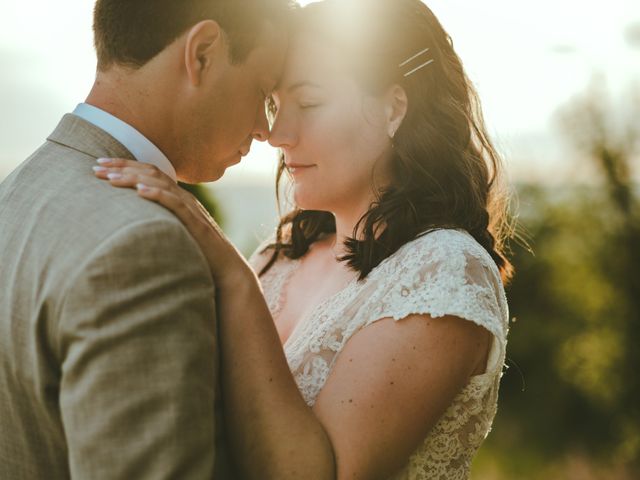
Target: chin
column 309, row 201
column 212, row 176
column 215, row 177
column 204, row 171
column 200, row 176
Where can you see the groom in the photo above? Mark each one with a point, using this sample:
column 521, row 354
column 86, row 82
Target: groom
column 108, row 355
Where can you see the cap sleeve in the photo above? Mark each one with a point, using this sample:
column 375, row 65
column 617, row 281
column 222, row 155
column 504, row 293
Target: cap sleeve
column 443, row 273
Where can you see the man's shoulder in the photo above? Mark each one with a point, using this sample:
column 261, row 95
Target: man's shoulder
column 54, row 202
column 120, row 223
column 61, row 180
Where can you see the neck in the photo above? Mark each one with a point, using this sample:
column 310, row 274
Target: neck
column 346, row 222
column 126, row 95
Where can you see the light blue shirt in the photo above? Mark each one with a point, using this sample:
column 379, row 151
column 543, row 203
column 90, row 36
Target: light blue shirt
column 140, row 146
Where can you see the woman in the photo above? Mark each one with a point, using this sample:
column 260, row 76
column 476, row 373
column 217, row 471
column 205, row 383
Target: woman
column 374, row 346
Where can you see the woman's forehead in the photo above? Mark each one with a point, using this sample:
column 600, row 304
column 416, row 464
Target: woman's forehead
column 311, row 62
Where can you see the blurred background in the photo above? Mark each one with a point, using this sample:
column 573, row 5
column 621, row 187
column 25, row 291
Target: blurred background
column 560, row 84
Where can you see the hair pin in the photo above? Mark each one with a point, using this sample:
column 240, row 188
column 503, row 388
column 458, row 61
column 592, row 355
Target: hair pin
column 410, row 59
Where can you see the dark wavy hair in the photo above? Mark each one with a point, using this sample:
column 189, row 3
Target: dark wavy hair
column 445, row 171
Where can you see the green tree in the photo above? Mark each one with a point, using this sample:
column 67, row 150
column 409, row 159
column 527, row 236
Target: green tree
column 572, row 387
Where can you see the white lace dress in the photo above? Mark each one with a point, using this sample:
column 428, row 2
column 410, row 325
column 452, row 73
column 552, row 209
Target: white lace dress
column 445, row 272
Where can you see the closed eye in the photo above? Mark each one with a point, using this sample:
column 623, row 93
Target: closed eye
column 306, row 106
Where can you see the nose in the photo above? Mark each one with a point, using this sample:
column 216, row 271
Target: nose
column 282, row 135
column 261, row 128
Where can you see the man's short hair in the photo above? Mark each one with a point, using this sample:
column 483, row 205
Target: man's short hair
column 132, row 32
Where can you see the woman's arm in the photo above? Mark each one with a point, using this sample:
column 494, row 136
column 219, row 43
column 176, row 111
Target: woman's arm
column 389, row 387
column 273, row 433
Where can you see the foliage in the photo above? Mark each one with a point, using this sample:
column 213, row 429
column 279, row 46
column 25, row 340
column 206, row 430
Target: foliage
column 572, row 390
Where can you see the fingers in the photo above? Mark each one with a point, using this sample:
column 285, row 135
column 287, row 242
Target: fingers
column 106, row 173
column 167, row 199
column 127, row 173
column 124, row 167
column 150, row 182
column 119, row 162
column 130, row 179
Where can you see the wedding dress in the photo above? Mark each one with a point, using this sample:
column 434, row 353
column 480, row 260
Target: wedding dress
column 445, row 272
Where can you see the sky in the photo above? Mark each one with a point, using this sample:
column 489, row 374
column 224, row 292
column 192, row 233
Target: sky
column 526, row 58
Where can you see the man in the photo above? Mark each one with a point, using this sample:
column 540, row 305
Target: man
column 108, row 355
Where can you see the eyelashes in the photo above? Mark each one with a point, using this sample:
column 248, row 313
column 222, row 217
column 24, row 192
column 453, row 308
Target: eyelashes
column 272, row 107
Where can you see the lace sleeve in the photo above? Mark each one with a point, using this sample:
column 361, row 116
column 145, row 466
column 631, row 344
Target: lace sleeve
column 444, row 273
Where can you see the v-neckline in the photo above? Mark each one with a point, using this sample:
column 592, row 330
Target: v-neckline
column 294, row 264
column 305, row 319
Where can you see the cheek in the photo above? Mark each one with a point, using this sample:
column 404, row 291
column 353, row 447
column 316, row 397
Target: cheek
column 229, row 115
column 335, row 137
column 345, row 147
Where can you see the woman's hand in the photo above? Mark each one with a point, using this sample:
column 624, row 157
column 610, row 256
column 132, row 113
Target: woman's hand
column 226, row 263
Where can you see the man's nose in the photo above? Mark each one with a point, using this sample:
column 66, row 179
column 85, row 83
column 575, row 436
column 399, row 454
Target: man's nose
column 261, row 128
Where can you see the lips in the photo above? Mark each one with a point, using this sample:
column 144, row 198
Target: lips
column 298, row 166
column 294, row 168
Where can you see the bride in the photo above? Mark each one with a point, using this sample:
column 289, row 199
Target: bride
column 367, row 338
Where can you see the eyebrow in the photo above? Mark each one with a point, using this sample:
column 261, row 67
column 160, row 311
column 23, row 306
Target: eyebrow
column 305, row 83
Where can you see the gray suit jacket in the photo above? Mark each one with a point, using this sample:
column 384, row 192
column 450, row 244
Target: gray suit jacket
column 108, row 358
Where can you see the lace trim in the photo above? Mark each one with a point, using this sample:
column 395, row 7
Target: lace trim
column 275, row 281
column 396, row 289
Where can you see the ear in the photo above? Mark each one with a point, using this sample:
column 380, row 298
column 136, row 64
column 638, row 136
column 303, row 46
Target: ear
column 396, row 108
column 205, row 46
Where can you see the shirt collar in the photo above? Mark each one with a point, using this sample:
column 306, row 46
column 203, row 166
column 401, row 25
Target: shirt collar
column 140, row 146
